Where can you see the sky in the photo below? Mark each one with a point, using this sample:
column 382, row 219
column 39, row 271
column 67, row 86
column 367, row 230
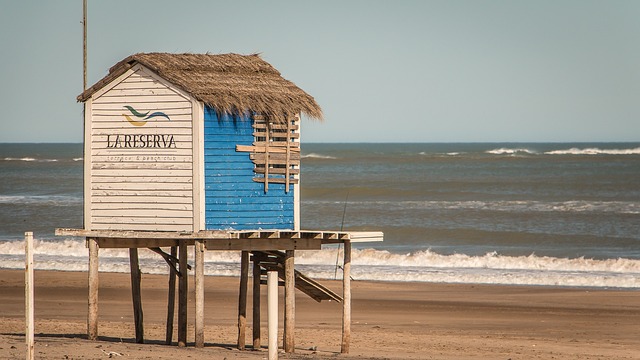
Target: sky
column 382, row 71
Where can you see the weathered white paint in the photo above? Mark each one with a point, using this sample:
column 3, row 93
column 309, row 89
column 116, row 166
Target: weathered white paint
column 272, row 313
column 199, row 168
column 29, row 295
column 139, row 175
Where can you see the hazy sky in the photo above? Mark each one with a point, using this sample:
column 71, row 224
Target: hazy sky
column 392, row 71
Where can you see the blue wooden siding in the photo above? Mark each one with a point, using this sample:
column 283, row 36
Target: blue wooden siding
column 232, row 199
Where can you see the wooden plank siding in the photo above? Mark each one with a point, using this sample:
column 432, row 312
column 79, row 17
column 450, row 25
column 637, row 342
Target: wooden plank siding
column 233, row 201
column 140, row 176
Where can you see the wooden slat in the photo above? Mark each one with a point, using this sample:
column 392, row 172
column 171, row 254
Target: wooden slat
column 278, row 171
column 266, row 158
column 282, row 144
column 149, row 192
column 141, row 206
column 142, row 186
column 275, row 126
column 288, row 159
column 142, row 180
column 138, row 200
column 111, row 97
column 146, row 213
column 294, row 156
column 145, row 166
column 275, row 180
column 115, row 243
column 261, row 149
column 276, row 134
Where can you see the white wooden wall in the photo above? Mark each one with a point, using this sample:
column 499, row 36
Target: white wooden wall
column 131, row 186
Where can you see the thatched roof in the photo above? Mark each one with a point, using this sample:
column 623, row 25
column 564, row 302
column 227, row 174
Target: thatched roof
column 229, row 83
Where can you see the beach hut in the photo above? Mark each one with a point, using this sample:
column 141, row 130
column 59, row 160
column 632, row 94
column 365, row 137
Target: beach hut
column 189, row 142
column 196, row 149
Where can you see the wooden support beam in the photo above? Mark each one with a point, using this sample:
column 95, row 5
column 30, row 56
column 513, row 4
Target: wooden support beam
column 115, row 243
column 256, row 304
column 242, row 299
column 92, row 316
column 272, row 311
column 183, row 292
column 29, row 302
column 171, row 300
column 135, row 294
column 199, row 282
column 264, row 244
column 289, row 302
column 346, row 299
column 266, row 157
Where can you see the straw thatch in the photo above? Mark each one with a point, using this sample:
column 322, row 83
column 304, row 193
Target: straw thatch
column 229, row 83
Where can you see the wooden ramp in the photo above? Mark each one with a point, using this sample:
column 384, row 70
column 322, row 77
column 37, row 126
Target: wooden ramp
column 274, row 261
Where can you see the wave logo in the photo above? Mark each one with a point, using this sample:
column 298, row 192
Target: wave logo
column 143, row 117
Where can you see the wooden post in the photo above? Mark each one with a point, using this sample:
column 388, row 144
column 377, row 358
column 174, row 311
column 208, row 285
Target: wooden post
column 346, row 298
column 256, row 304
column 92, row 317
column 171, row 301
column 199, row 255
column 135, row 294
column 289, row 302
column 183, row 291
column 28, row 292
column 242, row 299
column 272, row 311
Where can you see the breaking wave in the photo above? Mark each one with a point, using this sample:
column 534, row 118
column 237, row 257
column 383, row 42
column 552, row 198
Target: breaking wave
column 29, row 159
column 508, row 151
column 368, row 264
column 58, row 200
column 317, row 156
column 570, row 151
column 595, row 151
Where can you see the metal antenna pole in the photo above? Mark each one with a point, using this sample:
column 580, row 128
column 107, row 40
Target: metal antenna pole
column 84, row 45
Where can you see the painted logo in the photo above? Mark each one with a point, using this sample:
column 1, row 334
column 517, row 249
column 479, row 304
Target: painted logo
column 144, row 117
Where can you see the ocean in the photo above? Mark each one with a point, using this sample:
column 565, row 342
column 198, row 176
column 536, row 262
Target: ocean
column 549, row 214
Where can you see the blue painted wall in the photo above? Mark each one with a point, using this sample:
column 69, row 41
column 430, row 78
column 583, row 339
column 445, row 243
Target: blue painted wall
column 232, row 199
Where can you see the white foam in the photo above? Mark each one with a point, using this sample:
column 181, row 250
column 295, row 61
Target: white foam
column 19, row 159
column 595, row 151
column 60, row 200
column 29, row 159
column 581, row 206
column 367, row 264
column 317, row 156
column 508, row 151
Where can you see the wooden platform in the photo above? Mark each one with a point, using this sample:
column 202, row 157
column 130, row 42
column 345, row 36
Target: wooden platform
column 225, row 239
column 265, row 245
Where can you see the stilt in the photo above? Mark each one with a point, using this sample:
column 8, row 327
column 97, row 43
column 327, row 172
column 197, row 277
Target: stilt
column 92, row 316
column 346, row 298
column 289, row 302
column 199, row 255
column 272, row 306
column 256, row 304
column 242, row 299
column 183, row 292
column 29, row 302
column 135, row 294
column 171, row 300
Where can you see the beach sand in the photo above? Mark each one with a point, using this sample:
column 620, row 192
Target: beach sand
column 390, row 320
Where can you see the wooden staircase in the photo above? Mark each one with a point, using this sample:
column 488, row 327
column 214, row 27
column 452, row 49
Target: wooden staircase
column 274, row 261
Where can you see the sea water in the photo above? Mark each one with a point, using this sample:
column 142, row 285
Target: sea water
column 512, row 213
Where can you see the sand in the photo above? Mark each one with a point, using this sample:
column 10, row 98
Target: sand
column 390, row 320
